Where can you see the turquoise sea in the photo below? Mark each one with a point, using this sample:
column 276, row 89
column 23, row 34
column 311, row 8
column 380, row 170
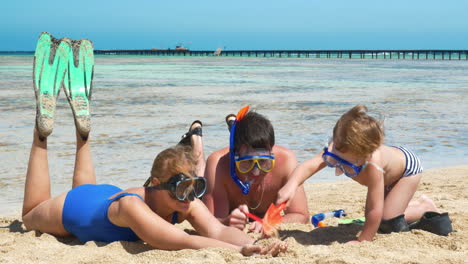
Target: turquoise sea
column 142, row 105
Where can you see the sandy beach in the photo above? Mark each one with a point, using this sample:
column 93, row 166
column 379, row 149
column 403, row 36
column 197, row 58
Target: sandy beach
column 446, row 186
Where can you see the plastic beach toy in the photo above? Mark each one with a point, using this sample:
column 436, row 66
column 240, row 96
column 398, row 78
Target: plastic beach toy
column 318, row 218
column 355, row 221
column 271, row 219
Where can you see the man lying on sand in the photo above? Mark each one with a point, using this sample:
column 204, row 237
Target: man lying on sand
column 247, row 176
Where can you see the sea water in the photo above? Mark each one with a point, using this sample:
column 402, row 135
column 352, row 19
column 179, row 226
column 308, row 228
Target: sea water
column 142, row 105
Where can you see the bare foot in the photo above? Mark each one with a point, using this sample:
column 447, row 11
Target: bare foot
column 196, row 139
column 194, row 130
column 428, row 204
column 196, row 142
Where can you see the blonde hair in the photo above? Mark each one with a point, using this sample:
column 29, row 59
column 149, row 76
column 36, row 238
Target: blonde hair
column 171, row 161
column 358, row 132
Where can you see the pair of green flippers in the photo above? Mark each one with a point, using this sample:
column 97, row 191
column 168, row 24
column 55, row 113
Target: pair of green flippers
column 68, row 64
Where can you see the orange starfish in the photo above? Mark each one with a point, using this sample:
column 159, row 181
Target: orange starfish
column 271, row 219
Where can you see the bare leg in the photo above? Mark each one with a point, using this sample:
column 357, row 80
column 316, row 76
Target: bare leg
column 37, row 186
column 397, row 200
column 197, row 149
column 417, row 207
column 84, row 169
column 40, row 212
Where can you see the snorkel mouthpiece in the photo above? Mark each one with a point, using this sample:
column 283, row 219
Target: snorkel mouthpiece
column 244, row 186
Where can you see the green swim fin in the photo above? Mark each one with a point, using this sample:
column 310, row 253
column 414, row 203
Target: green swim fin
column 49, row 69
column 78, row 84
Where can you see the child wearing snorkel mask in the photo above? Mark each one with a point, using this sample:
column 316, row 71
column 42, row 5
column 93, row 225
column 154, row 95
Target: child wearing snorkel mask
column 105, row 212
column 247, row 176
column 391, row 174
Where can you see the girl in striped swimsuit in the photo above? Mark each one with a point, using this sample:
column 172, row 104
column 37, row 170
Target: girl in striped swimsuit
column 391, row 174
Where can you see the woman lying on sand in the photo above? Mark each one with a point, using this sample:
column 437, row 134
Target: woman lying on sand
column 105, row 212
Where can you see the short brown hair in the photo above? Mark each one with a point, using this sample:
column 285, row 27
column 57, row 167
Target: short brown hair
column 358, row 132
column 171, row 161
column 254, row 131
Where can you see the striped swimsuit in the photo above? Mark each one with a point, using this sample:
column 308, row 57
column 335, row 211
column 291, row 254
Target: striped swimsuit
column 413, row 164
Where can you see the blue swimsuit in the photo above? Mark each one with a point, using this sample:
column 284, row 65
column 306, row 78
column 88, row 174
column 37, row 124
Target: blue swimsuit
column 85, row 214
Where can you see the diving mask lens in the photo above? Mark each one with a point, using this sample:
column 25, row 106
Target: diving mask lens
column 245, row 165
column 190, row 188
column 264, row 162
column 348, row 170
column 330, row 161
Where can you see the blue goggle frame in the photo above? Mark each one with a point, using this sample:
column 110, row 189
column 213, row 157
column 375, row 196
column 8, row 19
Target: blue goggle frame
column 339, row 164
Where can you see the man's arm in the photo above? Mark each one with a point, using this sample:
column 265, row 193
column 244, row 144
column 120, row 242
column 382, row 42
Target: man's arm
column 297, row 211
column 215, row 198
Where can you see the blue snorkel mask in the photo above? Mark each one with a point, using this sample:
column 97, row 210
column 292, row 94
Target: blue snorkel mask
column 244, row 186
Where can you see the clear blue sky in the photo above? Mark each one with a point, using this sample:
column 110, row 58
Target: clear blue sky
column 239, row 24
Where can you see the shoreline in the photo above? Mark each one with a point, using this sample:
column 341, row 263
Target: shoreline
column 306, row 244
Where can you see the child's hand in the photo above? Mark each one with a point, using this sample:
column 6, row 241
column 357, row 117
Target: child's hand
column 286, row 193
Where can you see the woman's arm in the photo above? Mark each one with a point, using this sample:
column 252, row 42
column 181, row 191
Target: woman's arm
column 374, row 203
column 207, row 225
column 158, row 233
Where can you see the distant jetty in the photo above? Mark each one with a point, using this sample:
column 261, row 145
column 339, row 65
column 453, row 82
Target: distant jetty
column 323, row 54
column 319, row 54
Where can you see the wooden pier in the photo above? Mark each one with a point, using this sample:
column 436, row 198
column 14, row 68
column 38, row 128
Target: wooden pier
column 323, row 54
